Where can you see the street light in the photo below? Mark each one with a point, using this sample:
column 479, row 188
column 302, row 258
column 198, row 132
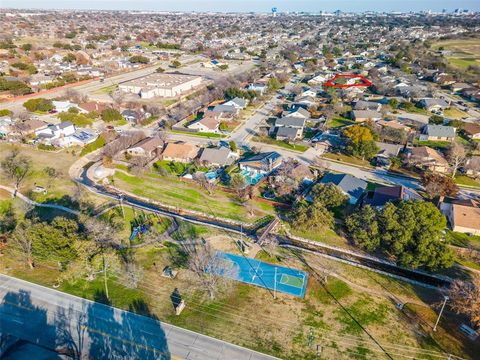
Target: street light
column 445, row 298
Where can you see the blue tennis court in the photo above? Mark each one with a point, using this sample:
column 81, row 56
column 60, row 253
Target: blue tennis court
column 269, row 276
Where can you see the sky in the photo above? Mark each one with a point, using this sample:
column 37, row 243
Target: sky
column 247, row 5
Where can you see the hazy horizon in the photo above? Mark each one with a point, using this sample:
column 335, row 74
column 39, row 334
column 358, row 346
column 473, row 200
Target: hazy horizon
column 247, row 5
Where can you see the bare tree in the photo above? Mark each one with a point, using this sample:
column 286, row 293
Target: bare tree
column 204, row 183
column 211, row 269
column 23, row 242
column 465, row 299
column 456, row 156
column 123, row 142
column 17, row 167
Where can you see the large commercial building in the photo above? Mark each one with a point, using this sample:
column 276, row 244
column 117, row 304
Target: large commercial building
column 163, row 85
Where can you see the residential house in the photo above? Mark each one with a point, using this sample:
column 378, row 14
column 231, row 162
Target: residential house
column 220, row 157
column 237, row 102
column 472, row 166
column 437, row 133
column 386, row 151
column 258, row 87
column 180, row 152
column 149, row 147
column 464, row 217
column 426, row 158
column 431, row 104
column 364, row 115
column 90, row 106
column 289, row 128
column 131, row 116
column 300, row 113
column 384, row 194
column 80, row 137
column 206, row 124
column 394, row 124
column 263, row 163
column 28, row 127
column 228, row 109
column 53, row 132
column 471, row 130
column 62, row 106
column 350, row 185
column 367, row 105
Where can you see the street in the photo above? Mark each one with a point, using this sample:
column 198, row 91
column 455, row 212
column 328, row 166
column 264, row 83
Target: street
column 89, row 330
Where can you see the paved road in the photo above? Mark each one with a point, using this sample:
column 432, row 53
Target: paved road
column 90, row 330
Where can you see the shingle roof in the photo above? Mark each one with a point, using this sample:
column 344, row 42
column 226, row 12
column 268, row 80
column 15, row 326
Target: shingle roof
column 466, row 216
column 290, row 121
column 384, row 194
column 221, row 156
column 439, row 131
column 349, row 184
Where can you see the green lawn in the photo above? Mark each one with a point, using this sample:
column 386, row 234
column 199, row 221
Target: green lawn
column 434, row 144
column 454, row 113
column 465, row 180
column 338, row 121
column 463, row 62
column 279, row 143
column 97, row 144
column 201, row 134
column 182, row 194
column 347, row 159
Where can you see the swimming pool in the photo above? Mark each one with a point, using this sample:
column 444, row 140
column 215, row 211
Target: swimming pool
column 250, row 177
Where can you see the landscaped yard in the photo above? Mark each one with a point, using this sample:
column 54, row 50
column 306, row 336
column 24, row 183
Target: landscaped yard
column 465, row 180
column 454, row 113
column 338, row 121
column 171, row 191
column 347, row 159
column 202, row 134
column 279, row 143
column 433, row 144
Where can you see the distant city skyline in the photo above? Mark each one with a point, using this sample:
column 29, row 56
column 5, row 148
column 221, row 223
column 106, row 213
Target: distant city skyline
column 248, row 5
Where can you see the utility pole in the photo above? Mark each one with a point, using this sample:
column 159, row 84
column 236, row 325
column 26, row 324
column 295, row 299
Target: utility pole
column 105, row 276
column 441, row 311
column 121, row 205
column 275, row 285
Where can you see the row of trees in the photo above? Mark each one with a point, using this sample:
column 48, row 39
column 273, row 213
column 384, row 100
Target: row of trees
column 410, row 231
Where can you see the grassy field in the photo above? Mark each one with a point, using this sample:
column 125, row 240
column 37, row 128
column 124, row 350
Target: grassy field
column 464, row 52
column 336, row 316
column 433, row 144
column 183, row 194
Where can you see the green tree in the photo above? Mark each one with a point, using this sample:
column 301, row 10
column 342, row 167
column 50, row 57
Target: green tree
column 364, row 229
column 393, row 103
column 138, row 59
column 176, row 64
column 6, row 112
column 110, row 114
column 360, row 141
column 233, row 146
column 54, row 241
column 436, row 119
column 311, row 216
column 160, row 70
column 273, row 84
column 69, row 58
column 412, row 232
column 27, row 47
column 329, row 195
column 38, row 104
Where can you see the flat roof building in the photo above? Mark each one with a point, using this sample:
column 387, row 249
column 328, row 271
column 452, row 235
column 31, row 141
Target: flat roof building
column 162, row 85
